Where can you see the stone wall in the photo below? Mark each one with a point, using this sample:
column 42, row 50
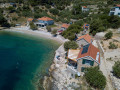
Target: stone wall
column 84, row 65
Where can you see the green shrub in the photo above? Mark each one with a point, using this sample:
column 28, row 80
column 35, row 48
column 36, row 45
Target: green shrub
column 26, row 13
column 116, row 69
column 76, row 9
column 12, row 24
column 71, row 31
column 70, row 45
column 76, row 76
column 47, row 6
column 54, row 32
column 112, row 46
column 95, row 78
column 108, row 35
column 3, row 21
column 80, row 22
column 11, row 8
column 37, row 15
column 114, row 21
column 96, row 26
column 14, row 19
column 48, row 28
column 33, row 26
column 54, row 11
column 110, row 21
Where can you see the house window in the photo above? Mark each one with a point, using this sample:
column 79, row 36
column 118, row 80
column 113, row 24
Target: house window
column 113, row 9
column 88, row 62
column 111, row 13
column 118, row 13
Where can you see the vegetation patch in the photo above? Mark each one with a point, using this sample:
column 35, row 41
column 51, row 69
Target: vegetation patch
column 33, row 26
column 71, row 31
column 116, row 69
column 95, row 78
column 70, row 45
column 108, row 35
column 112, row 46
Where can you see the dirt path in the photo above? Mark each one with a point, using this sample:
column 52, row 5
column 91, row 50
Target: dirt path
column 103, row 68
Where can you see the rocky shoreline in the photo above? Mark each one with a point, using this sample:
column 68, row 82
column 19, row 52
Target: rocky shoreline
column 59, row 75
column 53, row 81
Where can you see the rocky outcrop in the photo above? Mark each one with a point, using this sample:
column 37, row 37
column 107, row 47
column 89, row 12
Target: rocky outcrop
column 56, row 79
column 60, row 78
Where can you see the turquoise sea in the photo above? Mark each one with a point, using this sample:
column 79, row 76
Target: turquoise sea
column 24, row 59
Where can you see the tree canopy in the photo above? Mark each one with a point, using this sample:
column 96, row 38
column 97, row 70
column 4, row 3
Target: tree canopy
column 33, row 26
column 108, row 35
column 95, row 78
column 70, row 45
column 54, row 32
column 96, row 26
column 71, row 31
column 3, row 21
column 116, row 69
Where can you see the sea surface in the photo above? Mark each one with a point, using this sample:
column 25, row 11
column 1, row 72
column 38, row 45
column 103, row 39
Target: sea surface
column 24, row 59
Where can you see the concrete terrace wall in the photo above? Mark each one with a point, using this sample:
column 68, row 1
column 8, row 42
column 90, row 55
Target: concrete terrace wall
column 101, row 48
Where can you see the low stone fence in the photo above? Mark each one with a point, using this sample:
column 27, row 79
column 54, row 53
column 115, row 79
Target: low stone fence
column 101, row 48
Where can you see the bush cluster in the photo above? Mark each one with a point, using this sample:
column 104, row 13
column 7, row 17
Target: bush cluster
column 103, row 22
column 95, row 78
column 71, row 31
column 108, row 35
column 33, row 26
column 112, row 46
column 70, row 45
column 116, row 69
column 3, row 21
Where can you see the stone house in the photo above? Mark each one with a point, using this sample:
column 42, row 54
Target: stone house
column 84, row 40
column 87, row 56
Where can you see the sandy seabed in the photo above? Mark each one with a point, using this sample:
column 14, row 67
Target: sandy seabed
column 44, row 34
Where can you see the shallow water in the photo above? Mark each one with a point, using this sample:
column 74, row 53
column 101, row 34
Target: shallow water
column 23, row 60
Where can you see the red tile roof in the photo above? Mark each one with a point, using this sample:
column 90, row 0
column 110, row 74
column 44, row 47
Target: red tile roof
column 87, row 37
column 84, row 6
column 85, row 25
column 29, row 19
column 118, row 5
column 65, row 25
column 92, row 52
column 45, row 19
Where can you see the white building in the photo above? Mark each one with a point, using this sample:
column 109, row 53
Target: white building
column 85, row 9
column 115, row 11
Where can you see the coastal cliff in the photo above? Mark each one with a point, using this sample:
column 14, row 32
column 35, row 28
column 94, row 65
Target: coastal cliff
column 56, row 79
column 59, row 76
